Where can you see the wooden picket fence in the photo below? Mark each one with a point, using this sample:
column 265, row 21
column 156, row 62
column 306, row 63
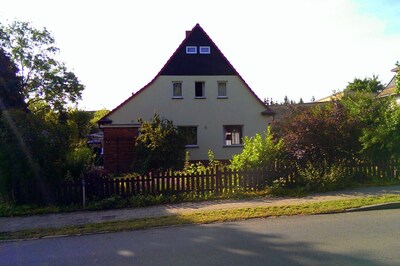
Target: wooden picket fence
column 216, row 181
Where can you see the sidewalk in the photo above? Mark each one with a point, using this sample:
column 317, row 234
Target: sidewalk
column 9, row 224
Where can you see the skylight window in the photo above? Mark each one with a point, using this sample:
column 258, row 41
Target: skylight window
column 191, row 49
column 205, row 50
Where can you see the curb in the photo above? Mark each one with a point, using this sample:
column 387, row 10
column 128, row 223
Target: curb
column 383, row 206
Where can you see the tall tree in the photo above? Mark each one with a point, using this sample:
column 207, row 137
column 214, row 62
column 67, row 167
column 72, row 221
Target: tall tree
column 379, row 122
column 10, row 86
column 371, row 85
column 46, row 82
column 398, row 77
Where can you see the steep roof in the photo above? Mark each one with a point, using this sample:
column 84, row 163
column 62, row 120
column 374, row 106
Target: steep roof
column 214, row 63
column 181, row 63
column 391, row 87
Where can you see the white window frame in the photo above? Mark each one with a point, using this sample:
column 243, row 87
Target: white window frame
column 191, row 145
column 191, row 49
column 173, row 90
column 204, row 50
column 203, row 95
column 233, row 135
column 225, row 96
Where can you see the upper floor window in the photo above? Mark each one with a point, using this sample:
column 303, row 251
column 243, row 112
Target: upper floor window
column 204, row 50
column 199, row 89
column 222, row 89
column 191, row 49
column 233, row 135
column 177, row 89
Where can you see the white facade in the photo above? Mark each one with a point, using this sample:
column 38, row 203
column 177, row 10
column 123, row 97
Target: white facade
column 209, row 114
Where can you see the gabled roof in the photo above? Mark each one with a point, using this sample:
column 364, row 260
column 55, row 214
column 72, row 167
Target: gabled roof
column 184, row 64
column 390, row 89
column 197, row 64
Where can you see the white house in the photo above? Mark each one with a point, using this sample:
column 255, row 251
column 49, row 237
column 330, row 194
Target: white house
column 202, row 93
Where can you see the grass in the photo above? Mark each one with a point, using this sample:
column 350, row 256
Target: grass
column 8, row 209
column 204, row 217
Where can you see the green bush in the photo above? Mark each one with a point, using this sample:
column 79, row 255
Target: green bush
column 258, row 151
column 322, row 177
column 78, row 162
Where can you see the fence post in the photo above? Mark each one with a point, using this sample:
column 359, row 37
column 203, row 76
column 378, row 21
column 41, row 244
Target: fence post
column 217, row 179
column 83, row 193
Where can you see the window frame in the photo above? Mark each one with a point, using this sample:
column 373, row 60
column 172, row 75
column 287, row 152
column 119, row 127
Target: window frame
column 204, row 50
column 188, row 128
column 229, row 130
column 203, row 90
column 173, row 90
column 226, row 90
column 189, row 48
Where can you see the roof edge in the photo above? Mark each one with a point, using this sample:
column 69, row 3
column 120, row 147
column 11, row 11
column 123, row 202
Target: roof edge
column 188, row 33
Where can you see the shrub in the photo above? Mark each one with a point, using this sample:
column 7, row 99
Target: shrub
column 322, row 177
column 78, row 161
column 258, row 151
column 159, row 147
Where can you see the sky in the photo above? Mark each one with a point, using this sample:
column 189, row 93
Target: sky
column 295, row 48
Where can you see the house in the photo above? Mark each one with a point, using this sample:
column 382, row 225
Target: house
column 390, row 89
column 201, row 93
column 330, row 98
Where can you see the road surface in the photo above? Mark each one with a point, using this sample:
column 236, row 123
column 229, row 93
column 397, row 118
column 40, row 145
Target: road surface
column 360, row 238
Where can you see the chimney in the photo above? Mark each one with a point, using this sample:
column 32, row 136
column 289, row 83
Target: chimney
column 188, row 33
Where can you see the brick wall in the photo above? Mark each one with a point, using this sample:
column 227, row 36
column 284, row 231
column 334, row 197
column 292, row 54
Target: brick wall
column 118, row 148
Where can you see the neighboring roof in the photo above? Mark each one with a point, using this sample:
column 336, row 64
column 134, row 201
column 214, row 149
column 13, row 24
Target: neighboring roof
column 335, row 96
column 200, row 64
column 389, row 90
column 391, row 87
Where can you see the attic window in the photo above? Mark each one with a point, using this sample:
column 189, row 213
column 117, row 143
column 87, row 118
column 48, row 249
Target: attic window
column 191, row 49
column 205, row 50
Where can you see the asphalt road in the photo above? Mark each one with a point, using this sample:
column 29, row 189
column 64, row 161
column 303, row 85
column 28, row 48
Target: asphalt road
column 359, row 238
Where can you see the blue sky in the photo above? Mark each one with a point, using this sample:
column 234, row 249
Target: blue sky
column 298, row 48
column 387, row 11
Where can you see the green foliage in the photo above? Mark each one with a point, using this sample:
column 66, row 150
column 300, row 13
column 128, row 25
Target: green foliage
column 159, row 147
column 78, row 161
column 397, row 80
column 199, row 167
column 10, row 85
column 40, row 148
column 96, row 116
column 258, row 151
column 379, row 122
column 44, row 79
column 370, row 85
column 324, row 177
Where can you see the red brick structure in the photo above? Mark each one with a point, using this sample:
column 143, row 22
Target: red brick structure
column 118, row 148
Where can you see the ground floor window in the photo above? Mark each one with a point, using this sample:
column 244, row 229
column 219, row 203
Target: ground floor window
column 233, row 135
column 190, row 135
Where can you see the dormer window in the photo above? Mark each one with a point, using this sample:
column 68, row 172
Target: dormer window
column 191, row 49
column 204, row 50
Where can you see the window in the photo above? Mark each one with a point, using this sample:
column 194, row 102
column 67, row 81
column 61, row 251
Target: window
column 222, row 89
column 177, row 89
column 204, row 50
column 199, row 89
column 190, row 135
column 191, row 49
column 233, row 135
